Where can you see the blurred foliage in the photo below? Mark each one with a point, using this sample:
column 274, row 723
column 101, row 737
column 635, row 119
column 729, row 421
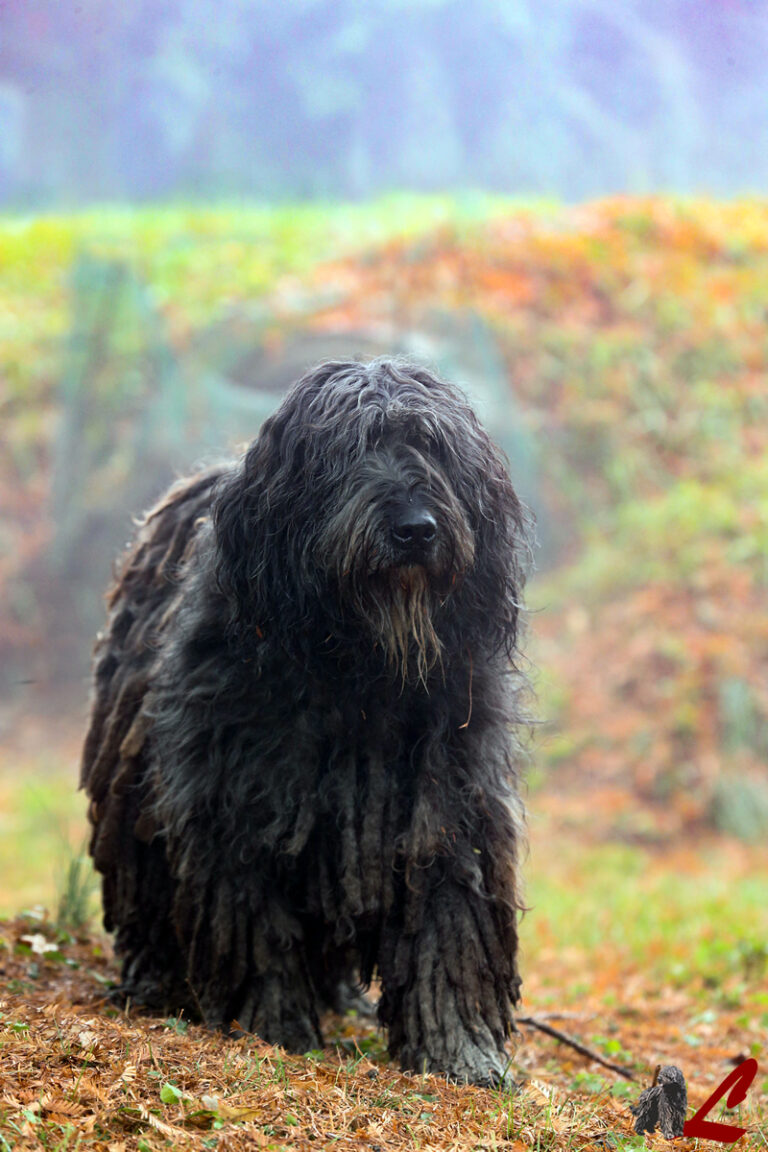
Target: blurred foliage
column 195, row 261
column 739, row 807
column 634, row 337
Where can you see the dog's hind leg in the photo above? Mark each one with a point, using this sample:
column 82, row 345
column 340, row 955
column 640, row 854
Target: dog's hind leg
column 280, row 1006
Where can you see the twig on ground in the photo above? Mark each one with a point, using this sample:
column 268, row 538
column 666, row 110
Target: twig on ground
column 533, row 1022
column 563, row 1015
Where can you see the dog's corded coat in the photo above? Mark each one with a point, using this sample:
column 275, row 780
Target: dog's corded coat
column 302, row 760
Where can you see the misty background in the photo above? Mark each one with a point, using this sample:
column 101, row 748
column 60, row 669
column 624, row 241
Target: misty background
column 207, row 99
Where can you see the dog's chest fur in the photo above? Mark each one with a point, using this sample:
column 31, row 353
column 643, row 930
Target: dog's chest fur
column 350, row 809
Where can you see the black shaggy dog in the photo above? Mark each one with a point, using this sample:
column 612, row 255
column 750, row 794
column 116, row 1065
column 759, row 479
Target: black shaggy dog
column 301, row 757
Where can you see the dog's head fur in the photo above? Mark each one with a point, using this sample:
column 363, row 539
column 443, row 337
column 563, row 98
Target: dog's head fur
column 372, row 496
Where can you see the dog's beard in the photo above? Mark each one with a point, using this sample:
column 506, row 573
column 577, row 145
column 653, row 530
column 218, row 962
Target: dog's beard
column 400, row 600
column 401, row 605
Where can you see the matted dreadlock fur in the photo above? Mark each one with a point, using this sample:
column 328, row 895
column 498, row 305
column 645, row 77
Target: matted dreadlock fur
column 302, row 760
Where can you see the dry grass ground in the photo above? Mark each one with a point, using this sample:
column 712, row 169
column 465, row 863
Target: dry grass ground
column 648, row 956
column 76, row 1073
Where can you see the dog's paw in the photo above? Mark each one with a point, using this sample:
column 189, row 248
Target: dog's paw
column 348, row 997
column 154, row 995
column 297, row 1036
column 483, row 1072
column 466, row 1063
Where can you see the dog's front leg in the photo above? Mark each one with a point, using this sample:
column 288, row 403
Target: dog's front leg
column 449, row 980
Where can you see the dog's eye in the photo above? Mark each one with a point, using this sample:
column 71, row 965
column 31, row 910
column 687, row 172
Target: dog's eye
column 423, row 442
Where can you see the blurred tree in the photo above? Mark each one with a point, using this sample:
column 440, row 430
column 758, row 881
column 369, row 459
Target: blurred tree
column 335, row 98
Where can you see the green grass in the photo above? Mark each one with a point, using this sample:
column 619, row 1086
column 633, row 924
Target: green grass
column 42, row 823
column 705, row 919
column 76, row 890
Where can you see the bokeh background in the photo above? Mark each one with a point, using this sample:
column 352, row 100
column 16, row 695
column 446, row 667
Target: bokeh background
column 562, row 205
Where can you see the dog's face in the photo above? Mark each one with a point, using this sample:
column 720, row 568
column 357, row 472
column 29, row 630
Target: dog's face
column 395, row 540
column 372, row 499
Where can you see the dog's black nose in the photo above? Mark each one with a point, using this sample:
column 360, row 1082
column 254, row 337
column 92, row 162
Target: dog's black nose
column 414, row 530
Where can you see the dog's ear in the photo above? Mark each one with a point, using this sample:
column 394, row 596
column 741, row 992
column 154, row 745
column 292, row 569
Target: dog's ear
column 506, row 540
column 246, row 515
column 503, row 532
